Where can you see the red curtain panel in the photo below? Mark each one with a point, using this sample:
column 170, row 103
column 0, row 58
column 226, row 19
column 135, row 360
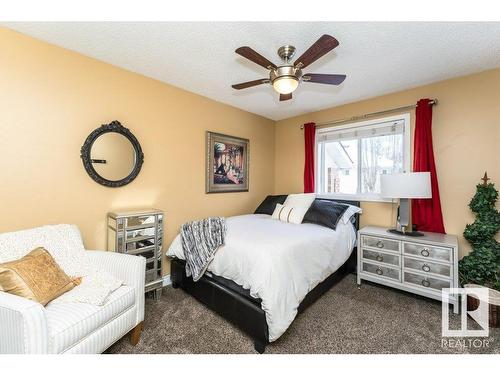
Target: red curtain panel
column 309, row 137
column 426, row 213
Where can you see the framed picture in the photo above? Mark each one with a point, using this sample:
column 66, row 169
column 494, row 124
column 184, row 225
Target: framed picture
column 226, row 164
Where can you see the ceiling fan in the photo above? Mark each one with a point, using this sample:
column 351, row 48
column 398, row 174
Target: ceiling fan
column 286, row 78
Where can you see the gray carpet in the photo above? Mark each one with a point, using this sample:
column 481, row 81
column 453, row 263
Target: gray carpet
column 373, row 319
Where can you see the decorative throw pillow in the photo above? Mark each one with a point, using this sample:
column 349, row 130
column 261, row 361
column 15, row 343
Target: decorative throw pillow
column 35, row 276
column 325, row 213
column 350, row 212
column 300, row 204
column 283, row 213
column 269, row 204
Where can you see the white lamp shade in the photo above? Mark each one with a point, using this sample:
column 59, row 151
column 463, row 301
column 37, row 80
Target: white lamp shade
column 406, row 185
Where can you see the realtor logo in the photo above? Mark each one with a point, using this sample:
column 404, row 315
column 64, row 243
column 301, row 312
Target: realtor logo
column 480, row 315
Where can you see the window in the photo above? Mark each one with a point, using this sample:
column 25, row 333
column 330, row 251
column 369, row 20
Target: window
column 351, row 158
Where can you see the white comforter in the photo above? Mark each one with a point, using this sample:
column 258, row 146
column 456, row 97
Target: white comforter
column 278, row 262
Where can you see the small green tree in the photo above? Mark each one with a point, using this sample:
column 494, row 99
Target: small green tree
column 482, row 265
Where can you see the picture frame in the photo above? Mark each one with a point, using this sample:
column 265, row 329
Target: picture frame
column 227, row 163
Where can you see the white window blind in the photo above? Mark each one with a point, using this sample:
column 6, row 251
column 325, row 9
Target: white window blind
column 352, row 158
column 389, row 128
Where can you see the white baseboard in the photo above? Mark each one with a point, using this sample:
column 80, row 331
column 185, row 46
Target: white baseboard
column 166, row 280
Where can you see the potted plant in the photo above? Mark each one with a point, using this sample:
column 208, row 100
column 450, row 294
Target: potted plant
column 481, row 267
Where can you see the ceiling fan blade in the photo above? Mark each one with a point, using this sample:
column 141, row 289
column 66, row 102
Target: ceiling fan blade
column 245, row 85
column 322, row 46
column 329, row 79
column 284, row 97
column 251, row 55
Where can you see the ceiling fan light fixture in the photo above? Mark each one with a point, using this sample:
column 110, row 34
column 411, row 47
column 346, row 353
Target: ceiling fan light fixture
column 285, row 85
column 287, row 77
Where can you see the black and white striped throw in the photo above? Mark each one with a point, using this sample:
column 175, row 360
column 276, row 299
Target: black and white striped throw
column 200, row 241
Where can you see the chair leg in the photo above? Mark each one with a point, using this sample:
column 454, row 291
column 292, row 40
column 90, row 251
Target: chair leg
column 158, row 294
column 135, row 334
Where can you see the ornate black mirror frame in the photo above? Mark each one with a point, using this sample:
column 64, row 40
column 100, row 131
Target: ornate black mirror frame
column 113, row 127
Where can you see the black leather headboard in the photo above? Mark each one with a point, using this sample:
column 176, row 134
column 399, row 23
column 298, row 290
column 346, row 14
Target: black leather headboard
column 352, row 203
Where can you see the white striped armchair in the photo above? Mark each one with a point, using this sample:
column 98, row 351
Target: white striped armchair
column 30, row 328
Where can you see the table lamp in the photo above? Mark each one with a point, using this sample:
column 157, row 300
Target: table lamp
column 405, row 186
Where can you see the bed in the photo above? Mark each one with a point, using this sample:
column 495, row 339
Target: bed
column 269, row 271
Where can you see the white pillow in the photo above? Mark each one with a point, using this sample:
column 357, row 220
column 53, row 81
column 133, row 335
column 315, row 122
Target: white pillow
column 282, row 213
column 287, row 214
column 296, row 200
column 300, row 204
column 351, row 210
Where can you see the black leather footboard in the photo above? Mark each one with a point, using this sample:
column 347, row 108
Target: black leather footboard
column 238, row 309
column 241, row 310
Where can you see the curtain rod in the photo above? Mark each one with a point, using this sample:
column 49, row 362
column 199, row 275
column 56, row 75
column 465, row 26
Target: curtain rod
column 368, row 115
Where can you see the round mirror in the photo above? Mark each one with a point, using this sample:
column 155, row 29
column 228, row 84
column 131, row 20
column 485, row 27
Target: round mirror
column 111, row 155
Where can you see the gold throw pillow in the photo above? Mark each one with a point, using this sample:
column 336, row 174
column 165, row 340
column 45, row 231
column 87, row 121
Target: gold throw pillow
column 35, row 276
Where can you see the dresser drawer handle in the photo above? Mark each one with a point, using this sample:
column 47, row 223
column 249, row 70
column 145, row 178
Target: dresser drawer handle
column 425, row 252
column 426, row 283
column 379, row 271
column 380, row 244
column 379, row 258
column 426, row 268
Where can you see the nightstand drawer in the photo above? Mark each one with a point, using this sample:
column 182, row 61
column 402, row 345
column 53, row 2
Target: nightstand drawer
column 426, row 251
column 383, row 271
column 380, row 243
column 427, row 267
column 382, row 257
column 427, row 282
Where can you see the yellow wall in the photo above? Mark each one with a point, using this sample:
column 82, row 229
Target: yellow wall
column 466, row 135
column 52, row 98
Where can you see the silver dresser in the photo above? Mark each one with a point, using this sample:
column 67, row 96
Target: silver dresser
column 421, row 265
column 140, row 232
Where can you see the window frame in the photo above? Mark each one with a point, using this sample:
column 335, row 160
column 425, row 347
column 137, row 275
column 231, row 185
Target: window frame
column 405, row 117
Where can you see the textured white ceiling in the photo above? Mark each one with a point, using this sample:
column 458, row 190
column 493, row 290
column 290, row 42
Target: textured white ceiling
column 378, row 58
